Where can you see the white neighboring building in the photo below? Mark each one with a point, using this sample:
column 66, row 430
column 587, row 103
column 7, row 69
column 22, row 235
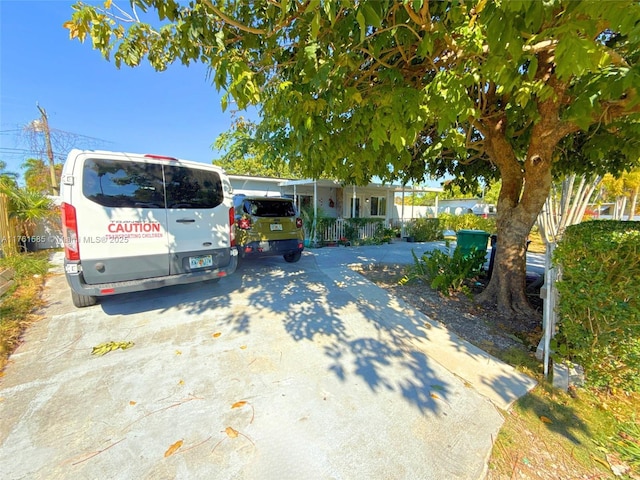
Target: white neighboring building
column 477, row 206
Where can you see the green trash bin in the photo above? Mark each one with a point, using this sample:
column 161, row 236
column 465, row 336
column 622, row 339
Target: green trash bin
column 468, row 240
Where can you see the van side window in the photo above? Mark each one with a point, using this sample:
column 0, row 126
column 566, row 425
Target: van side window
column 192, row 188
column 112, row 183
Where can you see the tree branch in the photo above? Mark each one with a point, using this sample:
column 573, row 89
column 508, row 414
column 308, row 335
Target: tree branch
column 230, row 21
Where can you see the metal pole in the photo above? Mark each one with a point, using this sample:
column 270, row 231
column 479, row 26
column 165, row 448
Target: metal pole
column 548, row 323
column 47, row 139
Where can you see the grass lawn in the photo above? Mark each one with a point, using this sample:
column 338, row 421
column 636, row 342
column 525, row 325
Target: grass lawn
column 19, row 304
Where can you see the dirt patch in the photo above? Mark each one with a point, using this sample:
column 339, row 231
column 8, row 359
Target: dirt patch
column 479, row 325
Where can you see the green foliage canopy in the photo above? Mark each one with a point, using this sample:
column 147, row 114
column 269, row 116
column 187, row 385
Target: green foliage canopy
column 395, row 89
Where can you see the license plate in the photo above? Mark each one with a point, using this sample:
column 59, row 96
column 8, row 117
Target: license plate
column 202, row 261
column 276, row 226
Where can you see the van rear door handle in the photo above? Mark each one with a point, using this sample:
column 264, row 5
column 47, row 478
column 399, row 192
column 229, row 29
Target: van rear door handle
column 185, row 220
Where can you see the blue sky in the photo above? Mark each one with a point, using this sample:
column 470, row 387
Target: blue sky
column 176, row 112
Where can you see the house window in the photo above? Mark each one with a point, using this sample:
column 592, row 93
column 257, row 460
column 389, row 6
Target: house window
column 378, row 206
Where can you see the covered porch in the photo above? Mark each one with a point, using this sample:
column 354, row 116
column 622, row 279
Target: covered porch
column 335, row 207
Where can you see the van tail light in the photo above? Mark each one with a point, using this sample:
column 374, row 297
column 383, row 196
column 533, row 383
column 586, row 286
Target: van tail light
column 70, row 232
column 298, row 222
column 244, row 223
column 232, row 232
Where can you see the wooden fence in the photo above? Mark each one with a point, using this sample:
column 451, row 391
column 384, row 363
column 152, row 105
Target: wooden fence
column 8, row 235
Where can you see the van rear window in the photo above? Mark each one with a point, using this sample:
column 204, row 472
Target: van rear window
column 192, row 188
column 270, row 208
column 113, row 183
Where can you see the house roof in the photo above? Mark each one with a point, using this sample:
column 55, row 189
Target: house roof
column 334, row 183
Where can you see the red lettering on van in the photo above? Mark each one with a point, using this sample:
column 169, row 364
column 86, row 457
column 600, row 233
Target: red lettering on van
column 133, row 227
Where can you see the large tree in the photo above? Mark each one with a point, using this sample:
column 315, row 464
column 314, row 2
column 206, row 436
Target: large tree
column 399, row 89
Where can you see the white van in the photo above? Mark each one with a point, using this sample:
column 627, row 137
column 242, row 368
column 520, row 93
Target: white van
column 135, row 222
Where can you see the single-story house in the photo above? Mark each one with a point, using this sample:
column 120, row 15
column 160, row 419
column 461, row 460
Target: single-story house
column 336, row 200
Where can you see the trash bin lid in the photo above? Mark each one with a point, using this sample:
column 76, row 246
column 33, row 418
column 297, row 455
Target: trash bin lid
column 473, row 232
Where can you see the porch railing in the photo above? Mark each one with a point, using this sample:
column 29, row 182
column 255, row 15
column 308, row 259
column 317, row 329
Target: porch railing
column 336, row 230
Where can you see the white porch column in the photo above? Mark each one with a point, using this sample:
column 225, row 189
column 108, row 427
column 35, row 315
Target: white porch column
column 315, row 212
column 353, row 203
column 413, row 201
column 402, row 235
column 436, row 205
column 296, row 200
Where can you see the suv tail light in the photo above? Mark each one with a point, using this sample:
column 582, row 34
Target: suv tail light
column 244, row 223
column 232, row 231
column 70, row 232
column 298, row 222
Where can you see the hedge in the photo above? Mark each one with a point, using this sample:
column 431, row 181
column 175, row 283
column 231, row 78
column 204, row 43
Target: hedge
column 598, row 321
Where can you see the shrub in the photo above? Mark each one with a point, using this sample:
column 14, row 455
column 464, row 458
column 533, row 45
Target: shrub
column 468, row 221
column 444, row 272
column 352, row 228
column 426, row 230
column 598, row 310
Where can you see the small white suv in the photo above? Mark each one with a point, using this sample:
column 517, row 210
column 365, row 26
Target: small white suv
column 134, row 222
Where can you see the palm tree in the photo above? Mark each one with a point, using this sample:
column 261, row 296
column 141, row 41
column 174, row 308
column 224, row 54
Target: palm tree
column 7, row 178
column 27, row 207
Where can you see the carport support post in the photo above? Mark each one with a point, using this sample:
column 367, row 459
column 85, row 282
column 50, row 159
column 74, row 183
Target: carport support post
column 315, row 213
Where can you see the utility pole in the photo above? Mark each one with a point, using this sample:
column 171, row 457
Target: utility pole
column 47, row 140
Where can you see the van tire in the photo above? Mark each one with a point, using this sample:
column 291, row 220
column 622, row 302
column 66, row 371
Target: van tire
column 81, row 301
column 292, row 257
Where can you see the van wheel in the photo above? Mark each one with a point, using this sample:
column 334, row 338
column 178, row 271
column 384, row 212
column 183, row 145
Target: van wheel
column 81, row 301
column 293, row 257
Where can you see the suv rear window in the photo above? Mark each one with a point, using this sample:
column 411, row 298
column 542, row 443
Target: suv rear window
column 113, row 183
column 269, row 208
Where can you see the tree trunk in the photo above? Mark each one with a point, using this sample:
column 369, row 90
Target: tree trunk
column 506, row 289
column 526, row 182
column 524, row 191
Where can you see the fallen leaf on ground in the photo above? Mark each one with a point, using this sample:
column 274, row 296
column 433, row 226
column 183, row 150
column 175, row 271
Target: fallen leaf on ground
column 216, row 335
column 107, row 347
column 231, row 432
column 618, row 467
column 545, row 419
column 132, row 403
column 173, row 448
column 239, row 404
column 243, row 347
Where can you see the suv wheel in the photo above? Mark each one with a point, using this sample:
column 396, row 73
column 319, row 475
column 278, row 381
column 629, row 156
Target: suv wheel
column 293, row 257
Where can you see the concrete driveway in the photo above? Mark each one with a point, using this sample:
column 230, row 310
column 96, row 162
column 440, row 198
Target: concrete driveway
column 281, row 371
